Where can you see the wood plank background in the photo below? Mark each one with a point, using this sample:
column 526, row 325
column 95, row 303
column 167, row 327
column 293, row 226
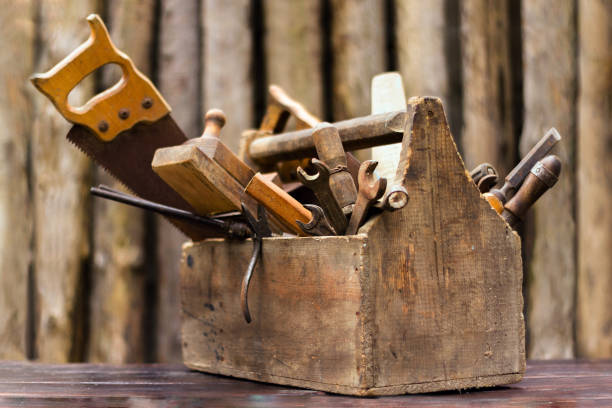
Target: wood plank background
column 86, row 280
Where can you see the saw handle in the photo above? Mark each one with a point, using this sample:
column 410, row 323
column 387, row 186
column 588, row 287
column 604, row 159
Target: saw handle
column 132, row 100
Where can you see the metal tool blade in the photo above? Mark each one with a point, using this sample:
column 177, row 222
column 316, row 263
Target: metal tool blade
column 128, row 159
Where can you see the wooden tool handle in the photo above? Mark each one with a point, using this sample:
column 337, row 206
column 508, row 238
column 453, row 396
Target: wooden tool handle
column 542, row 177
column 280, row 204
column 132, row 100
column 329, row 149
column 355, row 134
column 304, row 118
column 214, row 120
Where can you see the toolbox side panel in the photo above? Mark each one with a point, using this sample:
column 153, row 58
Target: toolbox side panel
column 447, row 275
column 304, row 299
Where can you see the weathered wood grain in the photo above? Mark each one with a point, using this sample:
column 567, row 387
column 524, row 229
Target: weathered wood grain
column 305, row 334
column 227, row 65
column 179, row 78
column 61, row 175
column 117, row 301
column 421, row 30
column 293, row 50
column 594, row 183
column 488, row 134
column 203, row 183
column 546, row 383
column 16, row 63
column 430, row 295
column 359, row 49
column 445, row 301
column 550, row 74
column 358, row 41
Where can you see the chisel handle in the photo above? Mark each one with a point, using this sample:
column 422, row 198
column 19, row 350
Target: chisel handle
column 132, row 100
column 279, row 203
column 542, row 177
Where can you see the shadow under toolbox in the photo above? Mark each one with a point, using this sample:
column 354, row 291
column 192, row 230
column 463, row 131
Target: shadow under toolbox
column 423, row 299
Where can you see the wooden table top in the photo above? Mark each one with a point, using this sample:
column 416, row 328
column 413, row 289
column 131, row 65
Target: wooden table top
column 546, row 383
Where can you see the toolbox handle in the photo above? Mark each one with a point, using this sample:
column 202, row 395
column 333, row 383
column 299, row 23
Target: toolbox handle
column 132, row 100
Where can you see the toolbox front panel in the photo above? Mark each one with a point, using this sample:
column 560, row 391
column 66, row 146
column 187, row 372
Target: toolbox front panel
column 304, row 299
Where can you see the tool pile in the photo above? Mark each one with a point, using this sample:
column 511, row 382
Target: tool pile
column 300, row 183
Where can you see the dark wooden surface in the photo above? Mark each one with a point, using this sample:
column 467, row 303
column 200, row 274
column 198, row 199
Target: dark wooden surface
column 546, row 383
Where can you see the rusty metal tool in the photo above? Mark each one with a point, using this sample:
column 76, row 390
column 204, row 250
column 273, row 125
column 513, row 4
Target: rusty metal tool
column 320, row 184
column 540, row 179
column 498, row 197
column 484, row 176
column 330, row 151
column 120, row 128
column 229, row 228
column 370, row 190
column 318, row 224
column 261, row 229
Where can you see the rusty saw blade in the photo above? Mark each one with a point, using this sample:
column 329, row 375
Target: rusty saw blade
column 122, row 127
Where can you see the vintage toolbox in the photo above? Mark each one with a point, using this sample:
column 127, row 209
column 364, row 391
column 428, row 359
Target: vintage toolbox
column 423, row 299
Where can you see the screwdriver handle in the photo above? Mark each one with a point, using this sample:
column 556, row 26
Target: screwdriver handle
column 542, row 177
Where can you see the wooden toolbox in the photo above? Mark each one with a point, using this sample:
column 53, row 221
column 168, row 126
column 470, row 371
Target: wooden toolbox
column 424, row 299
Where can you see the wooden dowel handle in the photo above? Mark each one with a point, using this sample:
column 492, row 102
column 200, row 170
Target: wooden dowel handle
column 214, row 120
column 355, row 134
column 279, row 203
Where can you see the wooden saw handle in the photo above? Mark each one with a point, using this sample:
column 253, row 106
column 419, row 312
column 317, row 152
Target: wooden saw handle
column 132, row 100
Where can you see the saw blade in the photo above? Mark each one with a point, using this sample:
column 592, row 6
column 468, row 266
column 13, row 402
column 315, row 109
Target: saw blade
column 128, row 159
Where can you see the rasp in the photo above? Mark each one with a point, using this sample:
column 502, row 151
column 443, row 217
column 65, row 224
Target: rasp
column 121, row 127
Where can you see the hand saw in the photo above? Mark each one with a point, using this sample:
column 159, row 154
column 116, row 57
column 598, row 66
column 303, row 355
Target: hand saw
column 122, row 127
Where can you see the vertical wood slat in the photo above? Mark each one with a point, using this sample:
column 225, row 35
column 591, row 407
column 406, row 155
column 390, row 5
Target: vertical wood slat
column 227, row 54
column 60, row 172
column 61, row 176
column 118, row 276
column 179, row 82
column 293, row 50
column 488, row 134
column 420, row 32
column 594, row 184
column 16, row 58
column 358, row 38
column 358, row 45
column 549, row 49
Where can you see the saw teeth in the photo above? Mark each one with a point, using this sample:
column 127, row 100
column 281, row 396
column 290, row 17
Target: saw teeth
column 99, row 164
column 86, row 144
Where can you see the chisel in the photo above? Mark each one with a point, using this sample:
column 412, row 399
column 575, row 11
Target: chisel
column 542, row 176
column 498, row 197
